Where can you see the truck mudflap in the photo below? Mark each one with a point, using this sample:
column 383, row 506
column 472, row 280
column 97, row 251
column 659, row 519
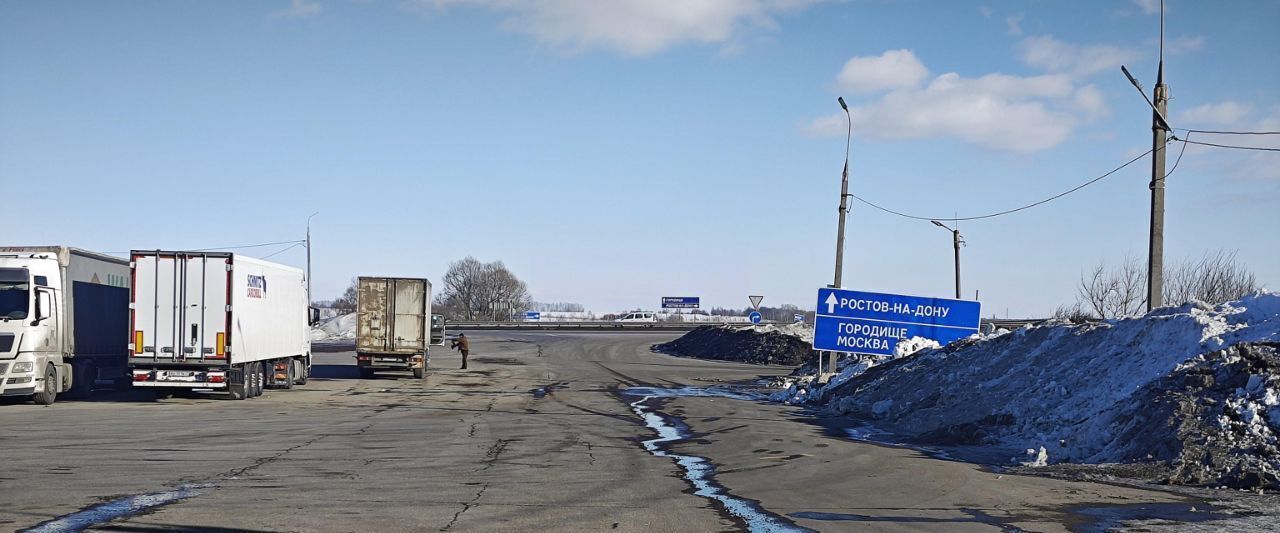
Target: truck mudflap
column 189, row 379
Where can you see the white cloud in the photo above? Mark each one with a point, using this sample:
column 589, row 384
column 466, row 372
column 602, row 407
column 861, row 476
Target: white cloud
column 1045, row 52
column 632, row 27
column 985, row 11
column 1014, row 24
column 996, row 111
column 1149, row 7
column 893, row 69
column 1185, row 43
column 1225, row 113
column 298, row 9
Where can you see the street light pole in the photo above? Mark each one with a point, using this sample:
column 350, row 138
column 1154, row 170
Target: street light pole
column 309, row 300
column 956, row 241
column 844, row 197
column 1159, row 129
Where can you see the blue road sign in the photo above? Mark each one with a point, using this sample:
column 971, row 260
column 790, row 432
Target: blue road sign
column 798, row 318
column 873, row 323
column 681, row 302
column 532, row 315
column 755, row 317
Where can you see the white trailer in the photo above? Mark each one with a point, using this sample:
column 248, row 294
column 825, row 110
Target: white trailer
column 64, row 318
column 217, row 321
column 394, row 325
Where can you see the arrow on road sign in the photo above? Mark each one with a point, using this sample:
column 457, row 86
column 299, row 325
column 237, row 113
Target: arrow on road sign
column 755, row 301
column 831, row 303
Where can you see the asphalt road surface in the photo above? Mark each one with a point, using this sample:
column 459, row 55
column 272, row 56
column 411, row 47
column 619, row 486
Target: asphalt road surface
column 535, row 436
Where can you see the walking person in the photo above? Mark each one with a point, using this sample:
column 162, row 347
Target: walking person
column 462, row 344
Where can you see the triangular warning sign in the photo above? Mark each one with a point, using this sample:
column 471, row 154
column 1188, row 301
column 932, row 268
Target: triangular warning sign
column 95, row 279
column 755, row 301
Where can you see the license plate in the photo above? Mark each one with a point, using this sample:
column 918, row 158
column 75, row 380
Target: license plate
column 180, row 375
column 390, row 360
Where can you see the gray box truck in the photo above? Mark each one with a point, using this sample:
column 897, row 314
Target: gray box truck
column 393, row 325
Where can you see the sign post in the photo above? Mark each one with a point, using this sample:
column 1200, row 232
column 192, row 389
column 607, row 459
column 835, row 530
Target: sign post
column 873, row 323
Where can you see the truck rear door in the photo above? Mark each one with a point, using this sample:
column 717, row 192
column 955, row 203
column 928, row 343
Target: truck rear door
column 181, row 311
column 410, row 321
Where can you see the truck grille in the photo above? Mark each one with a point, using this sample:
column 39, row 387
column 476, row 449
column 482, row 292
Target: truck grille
column 6, row 342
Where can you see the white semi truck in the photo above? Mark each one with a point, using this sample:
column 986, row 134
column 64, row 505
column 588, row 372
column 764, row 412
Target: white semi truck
column 64, row 319
column 394, row 325
column 219, row 321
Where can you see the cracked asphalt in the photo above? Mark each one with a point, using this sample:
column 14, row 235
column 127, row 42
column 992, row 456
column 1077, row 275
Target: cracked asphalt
column 533, row 437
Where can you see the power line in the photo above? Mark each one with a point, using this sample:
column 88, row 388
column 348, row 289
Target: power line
column 1237, row 147
column 1216, row 132
column 260, row 245
column 1014, row 210
column 1179, row 159
column 290, row 247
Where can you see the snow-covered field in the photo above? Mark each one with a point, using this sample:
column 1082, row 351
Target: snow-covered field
column 1155, row 388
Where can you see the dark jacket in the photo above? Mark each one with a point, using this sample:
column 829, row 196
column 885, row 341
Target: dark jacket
column 462, row 343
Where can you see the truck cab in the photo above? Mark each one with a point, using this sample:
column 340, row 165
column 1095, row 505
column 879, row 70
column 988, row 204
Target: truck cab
column 63, row 319
column 30, row 330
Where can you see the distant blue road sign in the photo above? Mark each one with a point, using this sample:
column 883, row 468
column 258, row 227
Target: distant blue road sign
column 681, row 302
column 532, row 315
column 873, row 323
column 798, row 317
column 755, row 317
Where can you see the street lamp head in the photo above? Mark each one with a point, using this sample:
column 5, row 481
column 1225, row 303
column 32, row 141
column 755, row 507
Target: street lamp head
column 936, row 223
column 842, row 104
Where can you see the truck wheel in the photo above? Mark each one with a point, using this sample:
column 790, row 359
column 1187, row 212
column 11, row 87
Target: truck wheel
column 289, row 369
column 257, row 379
column 300, row 372
column 49, row 392
column 82, row 378
column 420, row 373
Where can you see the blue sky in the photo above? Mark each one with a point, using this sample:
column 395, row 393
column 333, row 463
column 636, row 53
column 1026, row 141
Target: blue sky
column 612, row 153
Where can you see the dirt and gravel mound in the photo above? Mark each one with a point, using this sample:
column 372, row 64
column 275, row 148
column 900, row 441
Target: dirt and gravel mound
column 762, row 345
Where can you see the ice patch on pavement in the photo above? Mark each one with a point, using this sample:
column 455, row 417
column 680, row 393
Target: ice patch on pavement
column 698, row 470
column 116, row 509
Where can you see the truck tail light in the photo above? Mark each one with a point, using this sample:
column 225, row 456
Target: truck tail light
column 221, row 343
column 216, row 377
column 141, row 375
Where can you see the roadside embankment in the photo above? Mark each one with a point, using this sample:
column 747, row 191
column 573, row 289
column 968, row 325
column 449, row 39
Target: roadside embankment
column 764, row 345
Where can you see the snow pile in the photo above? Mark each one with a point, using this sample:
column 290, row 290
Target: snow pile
column 339, row 328
column 769, row 344
column 1116, row 391
column 803, row 387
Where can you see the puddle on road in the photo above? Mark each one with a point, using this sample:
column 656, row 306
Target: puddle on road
column 698, row 470
column 116, row 509
column 1110, row 517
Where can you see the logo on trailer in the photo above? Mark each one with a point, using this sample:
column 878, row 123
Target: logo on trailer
column 257, row 286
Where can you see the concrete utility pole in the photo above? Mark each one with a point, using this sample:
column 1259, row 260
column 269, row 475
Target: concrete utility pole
column 956, row 241
column 844, row 197
column 309, row 300
column 1159, row 132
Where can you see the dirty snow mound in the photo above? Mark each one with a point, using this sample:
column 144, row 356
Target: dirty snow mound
column 769, row 344
column 1114, row 391
column 342, row 327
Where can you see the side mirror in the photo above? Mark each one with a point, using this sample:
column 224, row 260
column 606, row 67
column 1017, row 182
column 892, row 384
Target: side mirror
column 43, row 307
column 314, row 317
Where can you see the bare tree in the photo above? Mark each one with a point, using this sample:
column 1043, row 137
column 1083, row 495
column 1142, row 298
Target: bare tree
column 1214, row 278
column 472, row 290
column 1121, row 291
column 347, row 302
column 1116, row 292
